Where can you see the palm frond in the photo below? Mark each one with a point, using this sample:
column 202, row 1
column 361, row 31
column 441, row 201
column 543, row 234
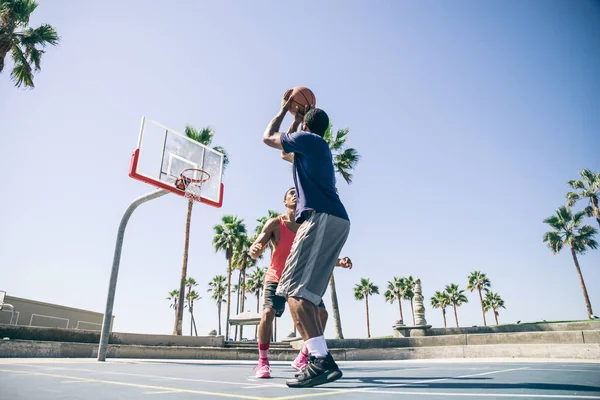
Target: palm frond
column 588, row 176
column 43, row 35
column 16, row 12
column 575, row 184
column 21, row 73
column 327, row 135
column 554, row 241
column 572, row 197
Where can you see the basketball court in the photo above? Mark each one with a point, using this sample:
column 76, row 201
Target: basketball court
column 86, row 379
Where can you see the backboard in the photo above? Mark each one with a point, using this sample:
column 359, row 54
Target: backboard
column 162, row 154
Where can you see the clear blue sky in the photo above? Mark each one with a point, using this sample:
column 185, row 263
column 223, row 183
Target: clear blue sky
column 469, row 117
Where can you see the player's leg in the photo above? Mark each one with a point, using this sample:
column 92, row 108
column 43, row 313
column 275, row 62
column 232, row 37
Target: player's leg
column 301, row 360
column 314, row 253
column 273, row 306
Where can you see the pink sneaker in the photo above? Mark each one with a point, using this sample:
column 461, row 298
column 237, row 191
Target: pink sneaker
column 300, row 362
column 263, row 369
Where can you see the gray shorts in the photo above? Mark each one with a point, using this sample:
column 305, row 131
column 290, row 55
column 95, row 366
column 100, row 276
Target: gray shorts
column 277, row 303
column 315, row 250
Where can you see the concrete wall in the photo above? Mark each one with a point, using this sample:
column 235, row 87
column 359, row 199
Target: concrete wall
column 80, row 336
column 36, row 313
column 529, row 327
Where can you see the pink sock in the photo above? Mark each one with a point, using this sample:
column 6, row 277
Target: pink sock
column 263, row 351
column 305, row 351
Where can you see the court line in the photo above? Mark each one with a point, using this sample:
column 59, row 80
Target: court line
column 162, row 392
column 156, row 388
column 375, row 389
column 456, row 377
column 467, row 394
column 564, row 370
column 173, row 378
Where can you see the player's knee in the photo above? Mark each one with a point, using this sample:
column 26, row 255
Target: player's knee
column 268, row 314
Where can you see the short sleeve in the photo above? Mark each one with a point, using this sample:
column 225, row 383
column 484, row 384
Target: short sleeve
column 297, row 142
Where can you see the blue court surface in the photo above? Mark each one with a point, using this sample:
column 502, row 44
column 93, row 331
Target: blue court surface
column 53, row 379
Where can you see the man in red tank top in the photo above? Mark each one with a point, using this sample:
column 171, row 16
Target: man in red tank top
column 280, row 232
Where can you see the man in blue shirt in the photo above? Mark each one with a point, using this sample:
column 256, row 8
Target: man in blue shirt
column 322, row 234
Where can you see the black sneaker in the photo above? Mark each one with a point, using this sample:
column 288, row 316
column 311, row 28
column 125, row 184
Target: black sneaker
column 318, row 371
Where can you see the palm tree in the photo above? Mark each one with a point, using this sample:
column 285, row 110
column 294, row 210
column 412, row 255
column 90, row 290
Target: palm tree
column 590, row 187
column 174, row 298
column 568, row 231
column 493, row 301
column 218, row 289
column 25, row 44
column 344, row 162
column 457, row 298
column 191, row 296
column 237, row 289
column 394, row 292
column 479, row 281
column 441, row 300
column 243, row 261
column 362, row 291
column 261, row 224
column 408, row 293
column 256, row 282
column 344, row 158
column 227, row 239
column 203, row 136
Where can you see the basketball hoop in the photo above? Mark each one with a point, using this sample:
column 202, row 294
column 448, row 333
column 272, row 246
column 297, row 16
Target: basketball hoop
column 190, row 180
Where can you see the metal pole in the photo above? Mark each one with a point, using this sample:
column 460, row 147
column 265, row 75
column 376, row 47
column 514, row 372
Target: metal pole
column 112, row 286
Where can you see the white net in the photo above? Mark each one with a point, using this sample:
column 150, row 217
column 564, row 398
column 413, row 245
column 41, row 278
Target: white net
column 193, row 191
column 193, row 180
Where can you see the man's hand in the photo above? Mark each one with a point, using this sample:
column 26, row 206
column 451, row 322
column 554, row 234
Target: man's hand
column 272, row 136
column 256, row 250
column 344, row 262
column 286, row 102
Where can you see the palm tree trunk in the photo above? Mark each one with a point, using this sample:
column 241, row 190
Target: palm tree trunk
column 588, row 305
column 496, row 316
column 444, row 315
column 237, row 305
column 219, row 316
column 243, row 290
column 400, row 305
column 228, row 298
column 368, row 323
column 274, row 329
column 482, row 310
column 455, row 314
column 193, row 322
column 257, row 310
column 412, row 309
column 186, row 244
column 337, row 322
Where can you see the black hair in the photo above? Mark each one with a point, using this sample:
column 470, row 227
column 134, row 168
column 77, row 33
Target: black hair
column 317, row 121
column 287, row 191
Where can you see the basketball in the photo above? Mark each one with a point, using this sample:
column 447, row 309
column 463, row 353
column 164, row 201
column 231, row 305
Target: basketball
column 301, row 97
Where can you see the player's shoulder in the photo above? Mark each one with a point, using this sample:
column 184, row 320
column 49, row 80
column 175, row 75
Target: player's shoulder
column 273, row 223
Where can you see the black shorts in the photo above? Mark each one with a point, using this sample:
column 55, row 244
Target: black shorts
column 277, row 303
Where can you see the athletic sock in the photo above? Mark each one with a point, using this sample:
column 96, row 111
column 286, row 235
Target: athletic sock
column 317, row 346
column 263, row 351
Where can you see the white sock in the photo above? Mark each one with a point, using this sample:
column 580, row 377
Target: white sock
column 317, row 346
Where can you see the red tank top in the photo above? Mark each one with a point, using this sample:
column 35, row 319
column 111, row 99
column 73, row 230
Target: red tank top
column 281, row 253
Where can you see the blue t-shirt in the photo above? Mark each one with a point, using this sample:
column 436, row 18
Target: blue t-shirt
column 314, row 176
